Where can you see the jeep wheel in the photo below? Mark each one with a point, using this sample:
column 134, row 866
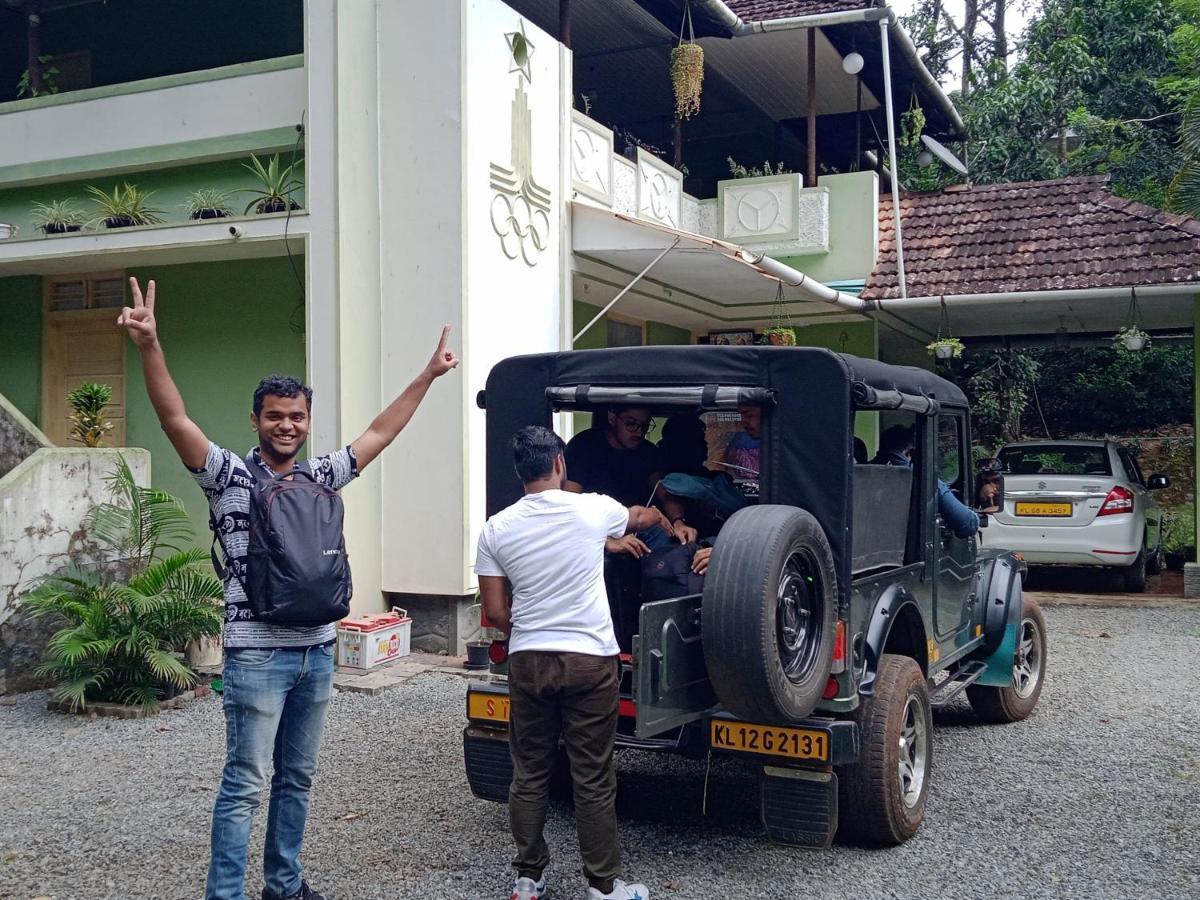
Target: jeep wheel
column 1135, row 575
column 768, row 614
column 1016, row 702
column 882, row 797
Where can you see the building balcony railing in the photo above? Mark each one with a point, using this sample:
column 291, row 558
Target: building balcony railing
column 158, row 121
column 773, row 214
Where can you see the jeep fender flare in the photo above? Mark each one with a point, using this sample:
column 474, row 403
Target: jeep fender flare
column 1002, row 601
column 894, row 605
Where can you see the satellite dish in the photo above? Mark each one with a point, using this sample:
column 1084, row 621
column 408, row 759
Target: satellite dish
column 940, row 151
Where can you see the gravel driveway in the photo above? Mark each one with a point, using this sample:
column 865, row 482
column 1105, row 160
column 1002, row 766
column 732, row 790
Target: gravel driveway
column 1097, row 795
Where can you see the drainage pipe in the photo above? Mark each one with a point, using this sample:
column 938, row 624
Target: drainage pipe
column 891, row 132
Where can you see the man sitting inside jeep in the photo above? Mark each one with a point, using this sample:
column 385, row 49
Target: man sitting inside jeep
column 613, row 457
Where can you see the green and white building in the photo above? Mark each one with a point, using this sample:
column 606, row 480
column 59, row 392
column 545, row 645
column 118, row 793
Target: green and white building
column 475, row 163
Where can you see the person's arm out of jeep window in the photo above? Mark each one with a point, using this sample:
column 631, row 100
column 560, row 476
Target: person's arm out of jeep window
column 496, row 598
column 959, row 518
column 389, row 423
column 141, row 326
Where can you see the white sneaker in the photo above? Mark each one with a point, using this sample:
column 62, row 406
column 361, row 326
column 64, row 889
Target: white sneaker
column 528, row 889
column 621, row 891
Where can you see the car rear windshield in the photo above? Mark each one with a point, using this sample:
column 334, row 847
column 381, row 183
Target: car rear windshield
column 1052, row 459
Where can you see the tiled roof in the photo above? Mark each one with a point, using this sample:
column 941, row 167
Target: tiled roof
column 1066, row 234
column 764, row 10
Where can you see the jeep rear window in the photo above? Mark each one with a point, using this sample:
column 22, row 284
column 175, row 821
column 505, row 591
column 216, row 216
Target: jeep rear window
column 1055, row 459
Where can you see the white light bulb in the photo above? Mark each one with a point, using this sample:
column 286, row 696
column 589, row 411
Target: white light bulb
column 924, row 159
column 852, row 63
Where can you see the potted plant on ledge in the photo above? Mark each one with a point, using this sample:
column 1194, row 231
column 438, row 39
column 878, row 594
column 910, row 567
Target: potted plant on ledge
column 945, row 348
column 207, row 203
column 277, row 183
column 126, row 206
column 57, row 217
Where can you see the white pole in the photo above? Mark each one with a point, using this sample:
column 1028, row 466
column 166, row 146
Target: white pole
column 891, row 129
column 624, row 291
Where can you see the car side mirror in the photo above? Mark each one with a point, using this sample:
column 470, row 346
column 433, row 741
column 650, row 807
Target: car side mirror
column 1158, row 482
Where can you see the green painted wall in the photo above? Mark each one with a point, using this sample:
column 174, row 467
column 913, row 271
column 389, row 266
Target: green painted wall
column 852, row 216
column 1196, row 415
column 21, row 344
column 223, row 327
column 135, row 39
column 662, row 333
column 170, row 186
column 857, row 339
column 596, row 336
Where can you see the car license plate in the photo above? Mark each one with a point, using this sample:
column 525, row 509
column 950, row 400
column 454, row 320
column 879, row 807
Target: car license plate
column 492, row 707
column 770, row 740
column 1025, row 508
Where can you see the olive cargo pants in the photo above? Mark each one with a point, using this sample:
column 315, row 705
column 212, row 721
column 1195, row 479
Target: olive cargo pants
column 575, row 695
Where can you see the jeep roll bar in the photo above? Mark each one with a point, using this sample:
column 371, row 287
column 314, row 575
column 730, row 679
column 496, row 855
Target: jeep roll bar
column 709, row 396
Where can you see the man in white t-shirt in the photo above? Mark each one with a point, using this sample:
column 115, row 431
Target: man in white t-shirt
column 541, row 580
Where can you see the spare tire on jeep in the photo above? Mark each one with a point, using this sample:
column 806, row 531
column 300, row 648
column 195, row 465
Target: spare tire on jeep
column 770, row 597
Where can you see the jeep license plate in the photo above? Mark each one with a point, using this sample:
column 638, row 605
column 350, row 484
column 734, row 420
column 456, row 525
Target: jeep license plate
column 1025, row 508
column 770, row 740
column 491, row 707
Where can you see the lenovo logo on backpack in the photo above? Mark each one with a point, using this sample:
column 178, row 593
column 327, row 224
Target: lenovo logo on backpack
column 292, row 575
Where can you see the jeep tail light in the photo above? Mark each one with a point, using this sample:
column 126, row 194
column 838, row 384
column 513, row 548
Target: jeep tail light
column 1119, row 500
column 831, row 689
column 498, row 652
column 839, row 648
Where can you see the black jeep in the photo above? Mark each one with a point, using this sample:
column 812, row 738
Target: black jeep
column 838, row 609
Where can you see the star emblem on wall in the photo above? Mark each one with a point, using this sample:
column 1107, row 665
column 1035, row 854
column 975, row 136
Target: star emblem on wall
column 521, row 50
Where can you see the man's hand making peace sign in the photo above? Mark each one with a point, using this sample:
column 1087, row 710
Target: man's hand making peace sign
column 139, row 321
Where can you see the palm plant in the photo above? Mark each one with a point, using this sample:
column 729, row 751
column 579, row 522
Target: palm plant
column 1184, row 191
column 276, row 185
column 88, row 422
column 127, row 205
column 207, row 203
column 127, row 620
column 57, row 216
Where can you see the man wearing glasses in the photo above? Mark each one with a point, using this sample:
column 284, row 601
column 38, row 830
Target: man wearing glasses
column 613, row 457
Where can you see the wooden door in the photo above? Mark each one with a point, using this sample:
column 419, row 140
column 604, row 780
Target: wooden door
column 80, row 346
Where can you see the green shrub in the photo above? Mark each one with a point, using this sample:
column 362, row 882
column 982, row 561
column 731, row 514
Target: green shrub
column 127, row 619
column 88, row 422
column 1179, row 528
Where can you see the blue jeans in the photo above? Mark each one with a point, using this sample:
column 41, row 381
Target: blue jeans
column 275, row 704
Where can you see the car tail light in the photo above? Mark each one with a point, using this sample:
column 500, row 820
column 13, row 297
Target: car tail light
column 1119, row 500
column 831, row 688
column 839, row 647
column 498, row 652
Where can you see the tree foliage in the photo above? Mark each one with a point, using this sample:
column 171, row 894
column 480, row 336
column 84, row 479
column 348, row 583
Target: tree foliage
column 1099, row 87
column 1048, row 392
column 126, row 622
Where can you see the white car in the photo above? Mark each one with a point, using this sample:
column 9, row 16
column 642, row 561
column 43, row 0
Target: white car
column 1079, row 503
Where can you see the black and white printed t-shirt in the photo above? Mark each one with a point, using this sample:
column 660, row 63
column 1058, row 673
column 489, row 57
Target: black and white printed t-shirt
column 227, row 483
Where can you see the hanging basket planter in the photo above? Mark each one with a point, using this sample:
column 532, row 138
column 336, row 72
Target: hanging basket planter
column 687, row 77
column 687, row 69
column 1132, row 339
column 780, row 337
column 945, row 348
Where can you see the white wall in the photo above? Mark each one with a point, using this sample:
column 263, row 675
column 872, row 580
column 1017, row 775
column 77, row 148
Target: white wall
column 43, row 503
column 132, row 122
column 446, row 116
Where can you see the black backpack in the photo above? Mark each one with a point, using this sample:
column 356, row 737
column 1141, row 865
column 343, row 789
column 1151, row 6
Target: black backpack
column 297, row 571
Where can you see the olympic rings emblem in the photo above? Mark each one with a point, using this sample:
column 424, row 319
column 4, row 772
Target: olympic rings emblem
column 522, row 227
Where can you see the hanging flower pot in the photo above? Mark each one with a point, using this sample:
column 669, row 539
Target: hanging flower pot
column 1132, row 338
column 687, row 76
column 687, row 69
column 780, row 337
column 945, row 348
